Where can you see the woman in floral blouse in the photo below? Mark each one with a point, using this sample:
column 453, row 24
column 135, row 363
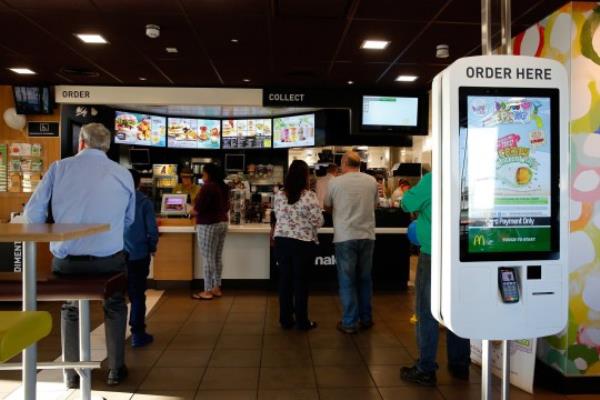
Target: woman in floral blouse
column 298, row 217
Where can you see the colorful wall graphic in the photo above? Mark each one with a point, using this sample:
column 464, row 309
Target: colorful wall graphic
column 571, row 35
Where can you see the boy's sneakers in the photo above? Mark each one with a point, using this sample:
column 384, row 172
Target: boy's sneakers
column 412, row 374
column 141, row 339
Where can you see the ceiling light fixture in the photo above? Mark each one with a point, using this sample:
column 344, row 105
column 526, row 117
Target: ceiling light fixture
column 374, row 44
column 246, row 80
column 234, row 40
column 141, row 78
column 22, row 71
column 350, row 82
column 406, row 78
column 172, row 50
column 91, row 38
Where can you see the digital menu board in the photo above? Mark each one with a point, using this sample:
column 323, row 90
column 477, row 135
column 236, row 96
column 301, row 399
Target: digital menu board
column 140, row 129
column 508, row 175
column 294, row 131
column 389, row 111
column 192, row 133
column 247, row 133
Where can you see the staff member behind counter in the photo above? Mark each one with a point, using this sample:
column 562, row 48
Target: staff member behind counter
column 186, row 185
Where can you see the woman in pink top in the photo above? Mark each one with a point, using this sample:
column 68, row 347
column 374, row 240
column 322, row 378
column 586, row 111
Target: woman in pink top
column 298, row 217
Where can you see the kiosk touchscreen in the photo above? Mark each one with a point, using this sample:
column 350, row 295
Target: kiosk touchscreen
column 499, row 200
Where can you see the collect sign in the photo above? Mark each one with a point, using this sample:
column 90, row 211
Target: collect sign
column 277, row 97
column 42, row 129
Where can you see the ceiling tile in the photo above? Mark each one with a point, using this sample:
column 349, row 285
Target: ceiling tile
column 313, row 8
column 306, row 39
column 394, row 9
column 141, row 7
column 54, row 5
column 361, row 73
column 222, row 8
column 189, row 72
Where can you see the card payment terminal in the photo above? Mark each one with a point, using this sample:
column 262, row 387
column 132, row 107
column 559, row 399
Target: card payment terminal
column 508, row 285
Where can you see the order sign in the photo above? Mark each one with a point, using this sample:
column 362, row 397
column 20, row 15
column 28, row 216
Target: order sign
column 506, row 173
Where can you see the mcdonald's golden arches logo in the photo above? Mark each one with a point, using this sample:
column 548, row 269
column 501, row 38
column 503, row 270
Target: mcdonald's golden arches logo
column 479, row 240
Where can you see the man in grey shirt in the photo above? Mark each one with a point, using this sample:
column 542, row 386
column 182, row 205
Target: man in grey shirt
column 353, row 197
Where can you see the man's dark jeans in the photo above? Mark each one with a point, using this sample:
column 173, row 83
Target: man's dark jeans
column 137, row 275
column 459, row 349
column 115, row 310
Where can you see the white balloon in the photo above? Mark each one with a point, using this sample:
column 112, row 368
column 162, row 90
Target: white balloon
column 14, row 120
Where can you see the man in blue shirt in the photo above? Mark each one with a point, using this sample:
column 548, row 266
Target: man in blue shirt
column 89, row 188
column 141, row 239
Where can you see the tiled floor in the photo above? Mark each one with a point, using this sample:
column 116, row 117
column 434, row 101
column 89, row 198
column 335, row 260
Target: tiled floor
column 233, row 349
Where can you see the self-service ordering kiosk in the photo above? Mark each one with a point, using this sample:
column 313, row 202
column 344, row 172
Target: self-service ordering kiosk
column 499, row 197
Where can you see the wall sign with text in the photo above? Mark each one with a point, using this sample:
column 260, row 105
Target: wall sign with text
column 43, row 129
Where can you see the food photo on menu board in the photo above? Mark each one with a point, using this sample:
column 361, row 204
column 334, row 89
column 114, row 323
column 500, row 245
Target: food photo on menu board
column 247, row 133
column 140, row 129
column 192, row 133
column 506, row 174
column 294, row 131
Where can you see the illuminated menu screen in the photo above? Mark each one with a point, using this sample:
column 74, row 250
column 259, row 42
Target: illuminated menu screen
column 508, row 176
column 247, row 133
column 139, row 129
column 192, row 133
column 294, row 131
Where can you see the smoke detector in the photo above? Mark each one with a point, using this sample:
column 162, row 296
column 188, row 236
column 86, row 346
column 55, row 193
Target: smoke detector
column 152, row 31
column 442, row 51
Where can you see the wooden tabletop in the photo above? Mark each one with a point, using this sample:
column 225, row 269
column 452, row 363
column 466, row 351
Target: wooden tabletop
column 48, row 232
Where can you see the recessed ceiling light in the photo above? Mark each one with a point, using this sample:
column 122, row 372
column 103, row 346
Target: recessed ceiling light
column 22, row 71
column 172, row 50
column 350, row 82
column 234, row 40
column 246, row 80
column 406, row 78
column 141, row 78
column 374, row 44
column 92, row 38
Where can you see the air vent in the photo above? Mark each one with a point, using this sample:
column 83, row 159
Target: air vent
column 74, row 71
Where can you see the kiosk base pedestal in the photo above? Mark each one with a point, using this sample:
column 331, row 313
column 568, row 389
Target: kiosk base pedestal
column 486, row 370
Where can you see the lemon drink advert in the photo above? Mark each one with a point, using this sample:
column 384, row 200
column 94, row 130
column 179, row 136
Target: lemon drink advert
column 506, row 175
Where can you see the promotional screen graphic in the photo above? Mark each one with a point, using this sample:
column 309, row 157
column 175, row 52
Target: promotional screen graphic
column 506, row 175
column 140, row 129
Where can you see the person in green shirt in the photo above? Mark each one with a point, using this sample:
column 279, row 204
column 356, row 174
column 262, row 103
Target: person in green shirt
column 418, row 200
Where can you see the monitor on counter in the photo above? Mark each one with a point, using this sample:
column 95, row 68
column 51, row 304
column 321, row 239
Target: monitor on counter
column 294, row 131
column 33, row 99
column 394, row 114
column 247, row 133
column 140, row 129
column 194, row 133
column 174, row 204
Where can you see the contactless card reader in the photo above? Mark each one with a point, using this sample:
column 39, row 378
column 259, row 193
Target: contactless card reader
column 508, row 285
column 500, row 170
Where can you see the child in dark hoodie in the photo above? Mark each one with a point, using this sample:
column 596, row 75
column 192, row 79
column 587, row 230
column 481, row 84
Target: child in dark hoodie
column 141, row 239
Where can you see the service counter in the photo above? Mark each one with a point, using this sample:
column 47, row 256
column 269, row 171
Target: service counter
column 248, row 255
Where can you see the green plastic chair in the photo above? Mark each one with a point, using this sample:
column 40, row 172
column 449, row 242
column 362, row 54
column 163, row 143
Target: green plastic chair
column 21, row 329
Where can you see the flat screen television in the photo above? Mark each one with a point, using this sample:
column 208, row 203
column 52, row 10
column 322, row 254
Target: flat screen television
column 382, row 113
column 247, row 133
column 509, row 174
column 294, row 131
column 235, row 162
column 140, row 129
column 194, row 133
column 139, row 156
column 33, row 99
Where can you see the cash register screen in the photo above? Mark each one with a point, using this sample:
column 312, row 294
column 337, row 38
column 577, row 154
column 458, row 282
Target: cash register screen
column 174, row 204
column 508, row 162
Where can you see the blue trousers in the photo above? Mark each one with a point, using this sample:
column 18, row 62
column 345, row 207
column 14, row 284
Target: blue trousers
column 459, row 350
column 137, row 274
column 354, row 259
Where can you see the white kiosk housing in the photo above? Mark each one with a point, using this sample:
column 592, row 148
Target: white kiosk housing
column 499, row 197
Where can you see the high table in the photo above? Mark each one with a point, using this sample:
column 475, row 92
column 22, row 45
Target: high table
column 30, row 234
